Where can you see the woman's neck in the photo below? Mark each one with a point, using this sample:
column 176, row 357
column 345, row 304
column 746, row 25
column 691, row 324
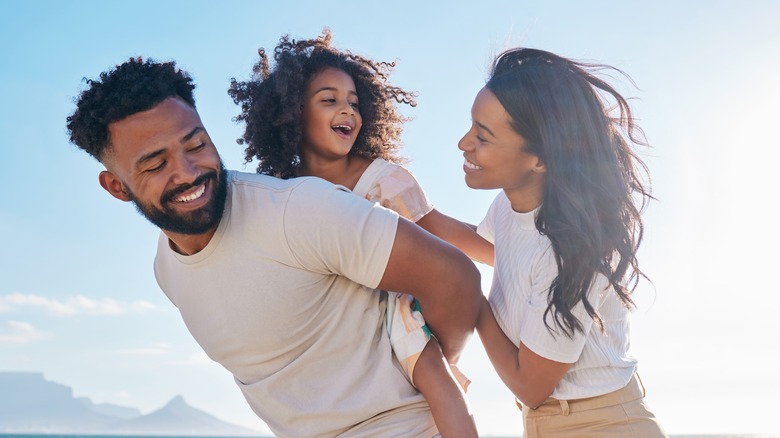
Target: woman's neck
column 527, row 198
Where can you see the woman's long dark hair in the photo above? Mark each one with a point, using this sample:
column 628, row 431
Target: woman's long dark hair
column 594, row 189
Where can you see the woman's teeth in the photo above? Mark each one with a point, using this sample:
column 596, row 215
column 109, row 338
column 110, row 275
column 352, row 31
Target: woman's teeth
column 471, row 165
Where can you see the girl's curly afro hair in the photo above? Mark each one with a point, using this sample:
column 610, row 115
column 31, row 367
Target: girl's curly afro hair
column 272, row 103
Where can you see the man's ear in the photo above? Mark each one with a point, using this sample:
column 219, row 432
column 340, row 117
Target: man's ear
column 113, row 185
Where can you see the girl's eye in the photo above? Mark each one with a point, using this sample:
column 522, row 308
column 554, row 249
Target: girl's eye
column 330, row 100
column 354, row 105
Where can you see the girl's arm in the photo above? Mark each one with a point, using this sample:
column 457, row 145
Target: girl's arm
column 530, row 377
column 461, row 235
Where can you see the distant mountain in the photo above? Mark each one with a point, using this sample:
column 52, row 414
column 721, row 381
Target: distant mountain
column 31, row 404
column 28, row 403
column 114, row 411
column 177, row 418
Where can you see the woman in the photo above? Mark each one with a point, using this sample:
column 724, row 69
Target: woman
column 566, row 229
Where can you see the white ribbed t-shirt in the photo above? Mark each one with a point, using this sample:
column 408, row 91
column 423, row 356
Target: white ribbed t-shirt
column 524, row 269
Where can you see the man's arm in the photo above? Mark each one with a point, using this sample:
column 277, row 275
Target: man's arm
column 443, row 279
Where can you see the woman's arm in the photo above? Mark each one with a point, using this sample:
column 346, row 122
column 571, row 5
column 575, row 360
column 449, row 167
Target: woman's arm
column 530, row 377
column 462, row 236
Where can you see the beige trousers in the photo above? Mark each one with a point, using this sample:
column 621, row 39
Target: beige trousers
column 621, row 413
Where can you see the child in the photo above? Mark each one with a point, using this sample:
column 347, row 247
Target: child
column 566, row 230
column 327, row 113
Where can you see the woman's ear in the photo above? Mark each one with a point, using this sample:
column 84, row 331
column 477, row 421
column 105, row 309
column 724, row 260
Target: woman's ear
column 540, row 167
column 113, row 185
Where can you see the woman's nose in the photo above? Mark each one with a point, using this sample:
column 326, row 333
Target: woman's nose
column 465, row 143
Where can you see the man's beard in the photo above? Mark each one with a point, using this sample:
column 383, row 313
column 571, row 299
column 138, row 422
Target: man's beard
column 193, row 222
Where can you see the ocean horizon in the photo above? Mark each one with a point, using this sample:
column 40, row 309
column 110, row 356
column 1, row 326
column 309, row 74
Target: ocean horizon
column 39, row 435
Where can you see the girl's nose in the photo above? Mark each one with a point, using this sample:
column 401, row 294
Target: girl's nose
column 346, row 108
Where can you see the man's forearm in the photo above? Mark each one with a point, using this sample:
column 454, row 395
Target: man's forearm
column 442, row 278
column 452, row 309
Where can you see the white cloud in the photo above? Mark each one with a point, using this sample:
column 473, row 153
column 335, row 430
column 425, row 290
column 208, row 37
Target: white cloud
column 153, row 350
column 75, row 305
column 16, row 332
column 196, row 358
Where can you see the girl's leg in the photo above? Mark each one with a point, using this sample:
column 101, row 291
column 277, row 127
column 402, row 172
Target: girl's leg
column 434, row 379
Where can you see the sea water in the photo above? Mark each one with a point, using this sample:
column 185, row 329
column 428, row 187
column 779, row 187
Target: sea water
column 266, row 436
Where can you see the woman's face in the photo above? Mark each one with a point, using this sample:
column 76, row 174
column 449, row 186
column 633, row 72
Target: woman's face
column 496, row 157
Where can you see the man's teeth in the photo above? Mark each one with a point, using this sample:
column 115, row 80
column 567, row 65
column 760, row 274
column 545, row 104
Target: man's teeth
column 193, row 196
column 471, row 165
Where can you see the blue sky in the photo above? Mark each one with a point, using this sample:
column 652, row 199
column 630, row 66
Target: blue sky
column 78, row 300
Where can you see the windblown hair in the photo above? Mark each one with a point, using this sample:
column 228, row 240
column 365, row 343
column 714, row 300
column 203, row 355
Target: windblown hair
column 272, row 103
column 132, row 87
column 595, row 184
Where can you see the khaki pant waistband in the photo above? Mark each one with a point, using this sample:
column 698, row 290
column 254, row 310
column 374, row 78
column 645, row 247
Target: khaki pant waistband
column 632, row 391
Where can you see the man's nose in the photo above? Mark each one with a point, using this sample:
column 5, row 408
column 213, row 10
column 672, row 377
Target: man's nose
column 185, row 170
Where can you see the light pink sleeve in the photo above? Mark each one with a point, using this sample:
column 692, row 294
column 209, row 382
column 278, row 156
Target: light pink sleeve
column 399, row 191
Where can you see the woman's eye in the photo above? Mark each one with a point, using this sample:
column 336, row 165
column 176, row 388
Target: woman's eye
column 481, row 139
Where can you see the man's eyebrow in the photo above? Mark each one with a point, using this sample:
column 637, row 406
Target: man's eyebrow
column 486, row 129
column 152, row 155
column 187, row 137
column 148, row 157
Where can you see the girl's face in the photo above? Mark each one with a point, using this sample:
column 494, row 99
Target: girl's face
column 331, row 120
column 496, row 157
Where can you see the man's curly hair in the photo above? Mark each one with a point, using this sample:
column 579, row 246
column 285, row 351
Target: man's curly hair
column 272, row 103
column 132, row 87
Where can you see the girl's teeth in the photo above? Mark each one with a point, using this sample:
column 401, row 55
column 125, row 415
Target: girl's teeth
column 471, row 165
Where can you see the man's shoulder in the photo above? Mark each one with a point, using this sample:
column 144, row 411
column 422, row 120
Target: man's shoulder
column 267, row 182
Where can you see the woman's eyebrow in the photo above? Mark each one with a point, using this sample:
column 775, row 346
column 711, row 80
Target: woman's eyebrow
column 486, row 129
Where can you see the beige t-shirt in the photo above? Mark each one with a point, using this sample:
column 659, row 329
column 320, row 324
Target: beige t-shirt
column 282, row 297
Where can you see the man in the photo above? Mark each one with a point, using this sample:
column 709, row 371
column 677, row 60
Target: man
column 275, row 278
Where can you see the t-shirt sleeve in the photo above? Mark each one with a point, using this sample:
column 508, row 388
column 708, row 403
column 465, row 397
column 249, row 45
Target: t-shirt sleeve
column 554, row 344
column 399, row 191
column 486, row 228
column 331, row 231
